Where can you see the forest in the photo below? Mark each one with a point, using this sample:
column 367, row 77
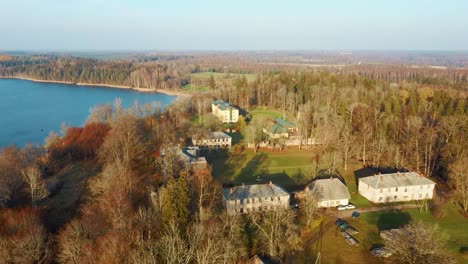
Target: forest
column 105, row 193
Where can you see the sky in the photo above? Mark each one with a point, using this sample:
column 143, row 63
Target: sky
column 75, row 25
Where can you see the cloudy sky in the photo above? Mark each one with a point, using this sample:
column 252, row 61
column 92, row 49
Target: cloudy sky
column 233, row 25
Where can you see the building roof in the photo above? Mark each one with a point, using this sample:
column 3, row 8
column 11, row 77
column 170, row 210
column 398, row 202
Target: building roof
column 329, row 189
column 254, row 191
column 190, row 155
column 284, row 123
column 280, row 126
column 222, row 104
column 396, row 180
column 218, row 135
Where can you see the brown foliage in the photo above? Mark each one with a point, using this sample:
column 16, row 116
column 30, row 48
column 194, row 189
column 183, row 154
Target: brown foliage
column 23, row 239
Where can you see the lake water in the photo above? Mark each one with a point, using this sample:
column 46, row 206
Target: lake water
column 30, row 110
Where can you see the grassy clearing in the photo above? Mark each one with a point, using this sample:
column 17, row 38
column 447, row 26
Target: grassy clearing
column 195, row 88
column 287, row 167
column 263, row 111
column 335, row 250
column 219, row 75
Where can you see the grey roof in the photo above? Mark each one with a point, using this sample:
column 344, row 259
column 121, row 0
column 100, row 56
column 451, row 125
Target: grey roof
column 190, row 155
column 254, row 191
column 218, row 135
column 222, row 104
column 329, row 189
column 395, row 180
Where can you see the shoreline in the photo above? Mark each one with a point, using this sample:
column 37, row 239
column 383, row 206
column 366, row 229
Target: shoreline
column 114, row 86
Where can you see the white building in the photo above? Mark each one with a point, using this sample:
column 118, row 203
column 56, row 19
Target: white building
column 255, row 198
column 329, row 192
column 213, row 140
column 224, row 111
column 396, row 187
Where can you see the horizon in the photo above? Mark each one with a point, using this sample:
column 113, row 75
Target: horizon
column 122, row 25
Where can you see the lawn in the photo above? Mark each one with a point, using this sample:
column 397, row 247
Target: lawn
column 287, row 168
column 192, row 88
column 335, row 250
column 220, row 75
column 264, row 111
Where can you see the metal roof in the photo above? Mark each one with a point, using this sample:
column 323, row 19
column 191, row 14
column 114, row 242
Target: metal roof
column 329, row 189
column 254, row 191
column 222, row 104
column 284, row 123
column 396, row 180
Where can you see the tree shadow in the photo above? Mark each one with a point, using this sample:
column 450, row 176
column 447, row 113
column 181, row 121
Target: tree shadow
column 222, row 164
column 393, row 219
column 236, row 137
column 362, row 173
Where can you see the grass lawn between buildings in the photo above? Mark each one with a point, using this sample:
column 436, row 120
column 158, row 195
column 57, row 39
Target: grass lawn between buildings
column 286, row 168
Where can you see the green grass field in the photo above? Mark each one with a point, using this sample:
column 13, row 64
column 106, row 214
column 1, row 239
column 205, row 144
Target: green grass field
column 191, row 88
column 287, row 168
column 220, row 75
column 335, row 250
column 263, row 111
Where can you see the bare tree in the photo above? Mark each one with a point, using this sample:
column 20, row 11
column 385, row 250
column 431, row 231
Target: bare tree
column 459, row 180
column 417, row 243
column 309, row 207
column 276, row 232
column 36, row 186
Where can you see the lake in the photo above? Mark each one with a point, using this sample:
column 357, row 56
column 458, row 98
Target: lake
column 30, row 110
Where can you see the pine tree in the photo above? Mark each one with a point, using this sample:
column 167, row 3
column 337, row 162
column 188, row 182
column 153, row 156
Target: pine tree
column 212, row 83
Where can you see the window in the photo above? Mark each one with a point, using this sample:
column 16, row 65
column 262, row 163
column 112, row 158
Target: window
column 396, row 189
column 248, row 200
column 381, row 190
column 427, row 195
column 428, row 186
column 279, row 199
column 420, row 187
column 380, row 199
column 420, row 195
column 406, row 189
column 272, row 198
column 253, row 200
column 242, row 201
column 395, row 197
column 389, row 190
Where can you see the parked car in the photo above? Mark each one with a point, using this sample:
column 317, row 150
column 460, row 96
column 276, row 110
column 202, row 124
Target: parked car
column 350, row 206
column 341, row 207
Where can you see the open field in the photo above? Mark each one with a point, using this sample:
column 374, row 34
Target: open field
column 220, row 75
column 287, row 168
column 335, row 250
column 263, row 111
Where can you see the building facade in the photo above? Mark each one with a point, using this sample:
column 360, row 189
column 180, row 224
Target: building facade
column 329, row 192
column 213, row 140
column 224, row 111
column 396, row 187
column 255, row 198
